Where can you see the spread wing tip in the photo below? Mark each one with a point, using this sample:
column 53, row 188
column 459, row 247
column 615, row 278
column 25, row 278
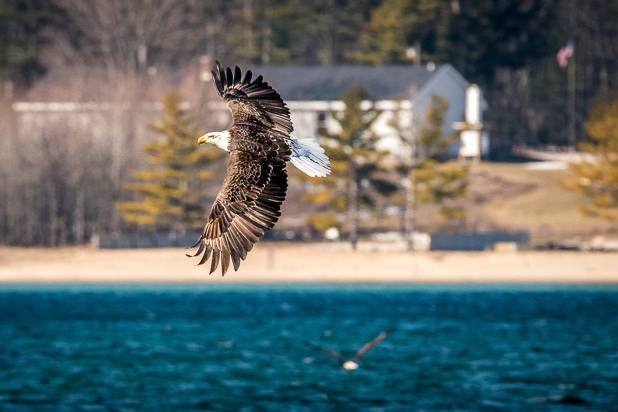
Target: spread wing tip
column 216, row 257
column 257, row 92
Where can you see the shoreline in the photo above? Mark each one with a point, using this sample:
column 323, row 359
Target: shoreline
column 307, row 263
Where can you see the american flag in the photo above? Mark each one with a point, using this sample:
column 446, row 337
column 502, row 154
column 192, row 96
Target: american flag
column 564, row 54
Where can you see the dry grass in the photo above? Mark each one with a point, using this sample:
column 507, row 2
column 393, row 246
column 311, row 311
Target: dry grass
column 511, row 196
column 501, row 196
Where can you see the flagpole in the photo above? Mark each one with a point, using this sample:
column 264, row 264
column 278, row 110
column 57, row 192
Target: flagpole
column 571, row 76
column 571, row 101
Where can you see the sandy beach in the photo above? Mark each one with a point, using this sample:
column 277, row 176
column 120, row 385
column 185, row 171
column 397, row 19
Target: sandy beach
column 276, row 262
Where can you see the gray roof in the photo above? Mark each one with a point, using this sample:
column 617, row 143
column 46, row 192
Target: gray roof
column 331, row 82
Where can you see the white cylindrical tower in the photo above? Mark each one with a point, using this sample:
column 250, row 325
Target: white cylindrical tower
column 473, row 105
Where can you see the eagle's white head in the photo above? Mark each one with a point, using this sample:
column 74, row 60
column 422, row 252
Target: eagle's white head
column 349, row 365
column 219, row 139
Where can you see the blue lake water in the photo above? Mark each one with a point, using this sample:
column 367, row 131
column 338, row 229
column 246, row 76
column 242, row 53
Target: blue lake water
column 183, row 348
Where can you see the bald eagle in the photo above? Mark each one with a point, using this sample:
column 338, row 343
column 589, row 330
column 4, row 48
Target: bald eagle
column 354, row 363
column 260, row 145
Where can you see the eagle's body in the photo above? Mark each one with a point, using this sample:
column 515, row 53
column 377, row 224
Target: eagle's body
column 255, row 185
column 350, row 365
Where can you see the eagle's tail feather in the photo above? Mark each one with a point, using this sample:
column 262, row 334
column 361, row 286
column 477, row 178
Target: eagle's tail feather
column 309, row 157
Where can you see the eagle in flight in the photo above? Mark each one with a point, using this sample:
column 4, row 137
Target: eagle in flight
column 354, row 363
column 260, row 145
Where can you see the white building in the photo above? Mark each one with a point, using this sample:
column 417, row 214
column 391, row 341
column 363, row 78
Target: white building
column 314, row 92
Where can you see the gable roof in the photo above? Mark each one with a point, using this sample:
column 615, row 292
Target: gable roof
column 331, row 82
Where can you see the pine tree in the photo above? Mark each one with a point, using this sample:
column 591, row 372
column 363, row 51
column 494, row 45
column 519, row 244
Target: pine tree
column 437, row 181
column 396, row 25
column 356, row 165
column 442, row 184
column 384, row 37
column 23, row 26
column 426, row 175
column 172, row 189
column 597, row 176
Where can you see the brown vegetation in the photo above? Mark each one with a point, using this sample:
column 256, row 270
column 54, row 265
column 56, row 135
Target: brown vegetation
column 512, row 196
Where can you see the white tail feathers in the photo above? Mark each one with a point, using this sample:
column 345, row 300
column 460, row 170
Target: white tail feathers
column 309, row 157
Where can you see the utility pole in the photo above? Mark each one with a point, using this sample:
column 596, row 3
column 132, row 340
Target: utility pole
column 410, row 183
column 410, row 199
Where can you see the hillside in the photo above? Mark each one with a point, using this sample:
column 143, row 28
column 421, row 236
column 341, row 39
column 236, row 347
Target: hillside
column 507, row 196
column 513, row 196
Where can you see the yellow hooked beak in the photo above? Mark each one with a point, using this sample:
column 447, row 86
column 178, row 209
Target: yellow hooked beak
column 202, row 139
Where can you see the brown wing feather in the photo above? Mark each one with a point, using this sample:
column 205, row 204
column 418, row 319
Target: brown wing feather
column 330, row 353
column 248, row 205
column 252, row 101
column 370, row 345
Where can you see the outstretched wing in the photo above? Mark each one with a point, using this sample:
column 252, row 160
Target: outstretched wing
column 330, row 353
column 253, row 101
column 370, row 345
column 248, row 205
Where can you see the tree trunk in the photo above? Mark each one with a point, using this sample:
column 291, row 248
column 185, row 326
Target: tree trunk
column 410, row 210
column 353, row 209
column 79, row 220
column 249, row 35
column 53, row 217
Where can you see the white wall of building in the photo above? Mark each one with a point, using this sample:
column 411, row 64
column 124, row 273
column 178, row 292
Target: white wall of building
column 307, row 117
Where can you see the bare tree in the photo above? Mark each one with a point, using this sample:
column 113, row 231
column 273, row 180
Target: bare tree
column 129, row 36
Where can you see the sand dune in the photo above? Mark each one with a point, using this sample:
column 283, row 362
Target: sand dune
column 306, row 263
